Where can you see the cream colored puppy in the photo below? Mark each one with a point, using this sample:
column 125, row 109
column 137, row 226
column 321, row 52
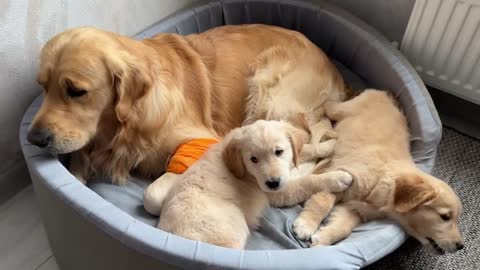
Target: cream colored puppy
column 373, row 146
column 221, row 197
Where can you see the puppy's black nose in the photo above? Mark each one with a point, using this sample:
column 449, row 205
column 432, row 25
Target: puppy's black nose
column 273, row 183
column 40, row 137
column 459, row 245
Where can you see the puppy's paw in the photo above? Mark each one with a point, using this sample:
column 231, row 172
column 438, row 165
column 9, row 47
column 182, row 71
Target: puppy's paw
column 325, row 149
column 318, row 240
column 341, row 182
column 156, row 193
column 333, row 111
column 304, row 228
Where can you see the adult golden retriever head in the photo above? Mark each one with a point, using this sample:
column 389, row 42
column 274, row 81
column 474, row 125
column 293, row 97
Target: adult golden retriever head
column 429, row 210
column 94, row 82
column 265, row 150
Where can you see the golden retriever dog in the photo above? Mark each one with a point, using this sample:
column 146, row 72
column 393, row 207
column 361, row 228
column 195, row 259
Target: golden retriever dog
column 373, row 146
column 121, row 105
column 221, row 197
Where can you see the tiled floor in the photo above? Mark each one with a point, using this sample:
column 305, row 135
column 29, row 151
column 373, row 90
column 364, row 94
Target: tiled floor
column 23, row 242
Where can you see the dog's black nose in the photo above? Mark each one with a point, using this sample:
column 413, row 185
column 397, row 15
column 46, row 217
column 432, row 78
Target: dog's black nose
column 40, row 137
column 273, row 183
column 459, row 245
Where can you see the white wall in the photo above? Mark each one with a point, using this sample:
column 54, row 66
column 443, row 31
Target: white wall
column 25, row 25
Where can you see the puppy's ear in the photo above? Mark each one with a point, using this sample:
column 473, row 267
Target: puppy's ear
column 232, row 155
column 131, row 80
column 411, row 191
column 297, row 137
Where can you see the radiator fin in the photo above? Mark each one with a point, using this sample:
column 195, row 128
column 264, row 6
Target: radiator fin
column 442, row 41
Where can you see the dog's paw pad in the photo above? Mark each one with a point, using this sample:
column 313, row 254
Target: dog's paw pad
column 304, row 229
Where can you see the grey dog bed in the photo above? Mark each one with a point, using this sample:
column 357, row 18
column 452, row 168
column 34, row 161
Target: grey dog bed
column 104, row 226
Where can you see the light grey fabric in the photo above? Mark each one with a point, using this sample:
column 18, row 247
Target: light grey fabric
column 347, row 41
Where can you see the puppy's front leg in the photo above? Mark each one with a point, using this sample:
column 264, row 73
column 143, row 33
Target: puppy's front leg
column 315, row 151
column 339, row 227
column 156, row 192
column 301, row 189
column 315, row 211
column 334, row 181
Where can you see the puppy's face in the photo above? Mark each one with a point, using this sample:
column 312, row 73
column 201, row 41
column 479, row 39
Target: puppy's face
column 82, row 76
column 266, row 150
column 429, row 210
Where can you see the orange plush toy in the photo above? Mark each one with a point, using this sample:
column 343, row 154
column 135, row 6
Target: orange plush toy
column 188, row 153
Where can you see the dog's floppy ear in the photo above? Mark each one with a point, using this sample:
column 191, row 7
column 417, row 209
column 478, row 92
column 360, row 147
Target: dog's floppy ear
column 411, row 191
column 232, row 155
column 297, row 137
column 132, row 79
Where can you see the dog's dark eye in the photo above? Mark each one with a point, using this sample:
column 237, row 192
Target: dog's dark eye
column 445, row 217
column 254, row 159
column 74, row 92
column 278, row 152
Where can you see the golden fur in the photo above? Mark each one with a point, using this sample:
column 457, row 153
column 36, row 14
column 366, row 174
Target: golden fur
column 287, row 85
column 144, row 98
column 221, row 197
column 373, row 146
column 285, row 82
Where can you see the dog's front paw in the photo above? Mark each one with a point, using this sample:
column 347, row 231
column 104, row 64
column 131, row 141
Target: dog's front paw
column 341, row 182
column 304, row 228
column 318, row 240
column 325, row 148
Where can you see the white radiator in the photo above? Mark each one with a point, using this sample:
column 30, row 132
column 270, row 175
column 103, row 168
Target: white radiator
column 442, row 41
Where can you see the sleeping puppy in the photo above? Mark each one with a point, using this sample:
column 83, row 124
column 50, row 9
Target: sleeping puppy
column 373, row 146
column 221, row 197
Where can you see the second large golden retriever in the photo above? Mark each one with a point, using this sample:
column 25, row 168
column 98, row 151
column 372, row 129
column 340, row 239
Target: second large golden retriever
column 120, row 104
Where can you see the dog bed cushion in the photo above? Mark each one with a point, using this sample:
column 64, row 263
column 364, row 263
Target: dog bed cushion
column 104, row 226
